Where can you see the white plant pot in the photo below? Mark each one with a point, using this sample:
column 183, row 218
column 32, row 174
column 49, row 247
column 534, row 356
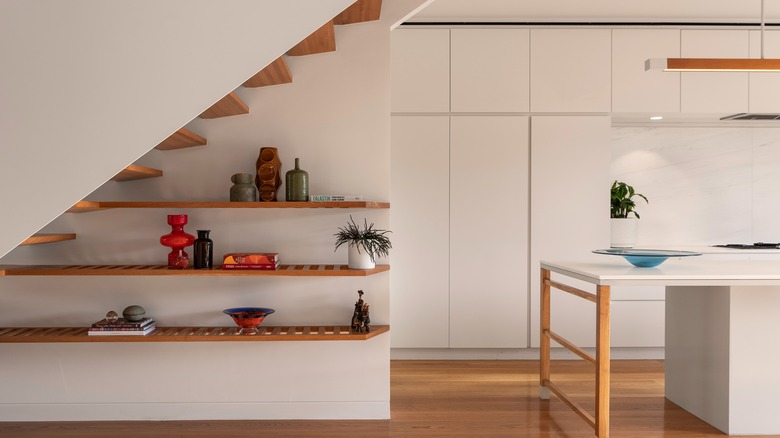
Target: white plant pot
column 359, row 259
column 623, row 232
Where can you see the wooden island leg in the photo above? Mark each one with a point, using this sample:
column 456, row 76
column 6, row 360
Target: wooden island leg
column 544, row 345
column 602, row 361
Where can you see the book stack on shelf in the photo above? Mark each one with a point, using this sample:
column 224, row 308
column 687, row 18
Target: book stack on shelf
column 261, row 260
column 122, row 327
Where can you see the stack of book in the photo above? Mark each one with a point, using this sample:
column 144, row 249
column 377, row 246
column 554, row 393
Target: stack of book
column 122, row 327
column 260, row 260
column 335, row 198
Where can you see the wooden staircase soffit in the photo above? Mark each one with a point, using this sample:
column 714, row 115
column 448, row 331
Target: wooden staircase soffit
column 183, row 138
column 134, row 172
column 321, row 41
column 37, row 239
column 275, row 73
column 360, row 11
column 230, row 105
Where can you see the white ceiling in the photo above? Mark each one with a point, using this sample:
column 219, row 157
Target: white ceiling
column 599, row 10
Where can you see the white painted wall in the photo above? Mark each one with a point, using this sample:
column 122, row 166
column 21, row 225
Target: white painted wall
column 335, row 118
column 86, row 86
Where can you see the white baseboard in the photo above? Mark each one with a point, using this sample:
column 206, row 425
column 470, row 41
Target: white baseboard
column 379, row 410
column 654, row 353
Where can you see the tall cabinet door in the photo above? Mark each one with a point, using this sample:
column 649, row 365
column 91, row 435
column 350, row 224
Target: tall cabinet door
column 570, row 181
column 488, row 232
column 419, row 280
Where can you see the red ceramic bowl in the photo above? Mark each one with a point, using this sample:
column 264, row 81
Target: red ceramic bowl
column 248, row 318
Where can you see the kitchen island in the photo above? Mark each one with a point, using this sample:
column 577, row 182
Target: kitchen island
column 722, row 333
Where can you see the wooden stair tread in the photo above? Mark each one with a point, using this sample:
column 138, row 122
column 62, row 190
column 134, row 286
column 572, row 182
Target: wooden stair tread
column 275, row 73
column 323, row 270
column 191, row 334
column 134, row 172
column 183, row 138
column 359, row 12
column 37, row 239
column 86, row 206
column 320, row 41
column 230, row 105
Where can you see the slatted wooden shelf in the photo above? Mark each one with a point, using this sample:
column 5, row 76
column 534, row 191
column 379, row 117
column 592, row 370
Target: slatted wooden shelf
column 320, row 41
column 134, row 172
column 86, row 206
column 37, row 239
column 183, row 138
column 191, row 334
column 360, row 11
column 162, row 270
column 275, row 73
column 230, row 105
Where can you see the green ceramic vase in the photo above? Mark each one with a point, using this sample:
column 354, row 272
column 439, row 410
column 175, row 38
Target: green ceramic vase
column 297, row 184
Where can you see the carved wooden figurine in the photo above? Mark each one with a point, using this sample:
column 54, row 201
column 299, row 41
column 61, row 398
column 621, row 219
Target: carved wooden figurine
column 360, row 317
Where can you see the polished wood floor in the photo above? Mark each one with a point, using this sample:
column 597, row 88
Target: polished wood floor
column 451, row 399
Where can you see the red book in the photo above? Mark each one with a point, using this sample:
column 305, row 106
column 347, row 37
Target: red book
column 260, row 266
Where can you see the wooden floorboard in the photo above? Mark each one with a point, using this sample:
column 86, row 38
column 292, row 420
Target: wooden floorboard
column 451, row 399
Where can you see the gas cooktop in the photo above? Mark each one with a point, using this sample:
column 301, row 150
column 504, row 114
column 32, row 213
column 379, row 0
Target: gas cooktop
column 757, row 245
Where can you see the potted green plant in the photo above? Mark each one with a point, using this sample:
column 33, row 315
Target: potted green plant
column 365, row 245
column 623, row 227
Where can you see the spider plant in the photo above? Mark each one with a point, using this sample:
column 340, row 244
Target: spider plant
column 373, row 241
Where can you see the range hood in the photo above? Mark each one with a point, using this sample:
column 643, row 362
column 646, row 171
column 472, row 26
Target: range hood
column 752, row 116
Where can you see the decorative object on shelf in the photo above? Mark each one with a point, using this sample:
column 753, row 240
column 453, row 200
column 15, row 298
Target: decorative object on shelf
column 134, row 313
column 243, row 189
column 360, row 318
column 364, row 245
column 203, row 249
column 177, row 240
column 296, row 183
column 269, row 173
column 111, row 317
column 248, row 318
column 262, row 260
column 623, row 229
column 646, row 258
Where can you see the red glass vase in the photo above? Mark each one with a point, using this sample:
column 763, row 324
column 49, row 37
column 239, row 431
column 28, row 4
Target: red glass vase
column 177, row 240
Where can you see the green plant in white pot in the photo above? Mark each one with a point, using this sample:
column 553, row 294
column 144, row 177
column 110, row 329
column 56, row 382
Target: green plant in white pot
column 365, row 245
column 623, row 228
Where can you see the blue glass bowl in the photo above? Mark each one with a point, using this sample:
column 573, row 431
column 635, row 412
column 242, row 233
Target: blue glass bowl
column 248, row 318
column 646, row 258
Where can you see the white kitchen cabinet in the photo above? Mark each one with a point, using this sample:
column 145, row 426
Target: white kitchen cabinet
column 570, row 70
column 711, row 92
column 570, row 180
column 489, row 70
column 633, row 88
column 420, row 70
column 419, row 280
column 764, row 87
column 488, row 232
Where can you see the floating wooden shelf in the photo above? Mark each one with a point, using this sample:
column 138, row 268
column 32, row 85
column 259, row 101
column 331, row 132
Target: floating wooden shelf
column 134, row 172
column 320, row 41
column 360, row 11
column 162, row 270
column 275, row 73
column 85, row 206
column 191, row 334
column 183, row 138
column 230, row 105
column 37, row 239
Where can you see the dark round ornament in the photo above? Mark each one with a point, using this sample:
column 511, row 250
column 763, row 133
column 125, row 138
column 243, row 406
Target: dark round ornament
column 134, row 313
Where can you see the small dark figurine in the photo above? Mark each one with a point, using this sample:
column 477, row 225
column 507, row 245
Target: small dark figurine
column 360, row 318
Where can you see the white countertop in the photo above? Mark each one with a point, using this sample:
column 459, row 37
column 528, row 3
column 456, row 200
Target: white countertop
column 711, row 249
column 688, row 271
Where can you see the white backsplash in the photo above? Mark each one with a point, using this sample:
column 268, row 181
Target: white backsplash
column 705, row 185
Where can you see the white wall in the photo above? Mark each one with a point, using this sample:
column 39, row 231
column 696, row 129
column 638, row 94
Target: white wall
column 705, row 185
column 335, row 118
column 88, row 86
